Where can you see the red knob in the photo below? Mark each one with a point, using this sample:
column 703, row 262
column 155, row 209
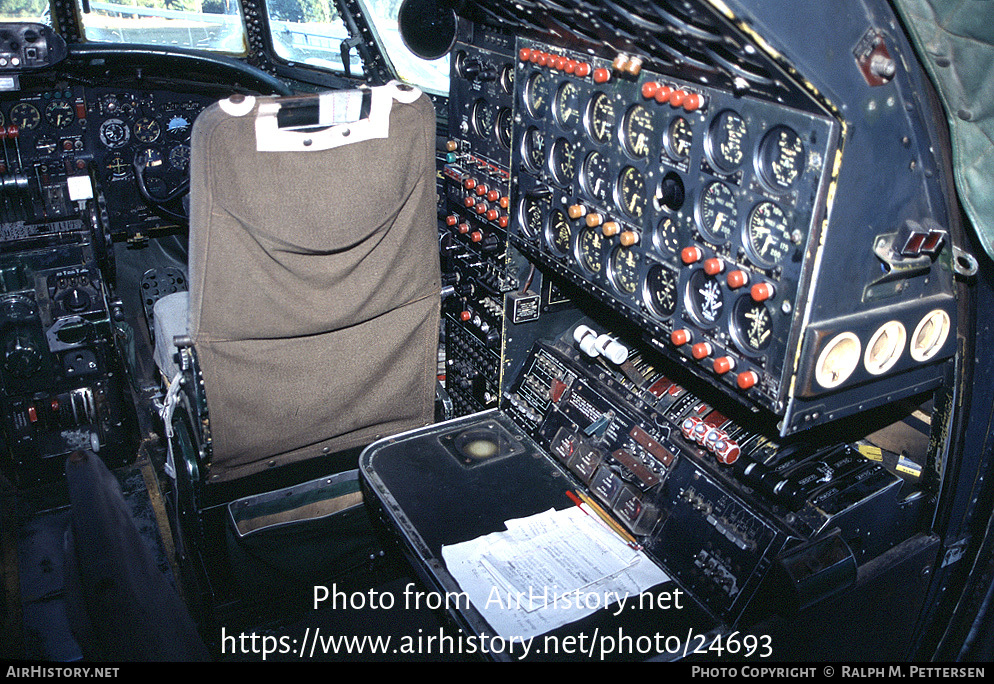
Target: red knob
column 714, row 266
column 747, row 379
column 524, row 54
column 761, row 292
column 692, row 102
column 691, row 255
column 649, row 89
column 723, row 364
column 680, row 337
column 601, row 75
column 737, row 279
column 701, row 350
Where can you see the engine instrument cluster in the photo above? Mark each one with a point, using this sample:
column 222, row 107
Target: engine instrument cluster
column 688, row 208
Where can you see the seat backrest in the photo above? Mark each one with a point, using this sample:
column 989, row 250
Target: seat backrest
column 314, row 274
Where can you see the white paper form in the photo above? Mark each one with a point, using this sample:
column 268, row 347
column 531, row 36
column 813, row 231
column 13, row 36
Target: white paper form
column 548, row 570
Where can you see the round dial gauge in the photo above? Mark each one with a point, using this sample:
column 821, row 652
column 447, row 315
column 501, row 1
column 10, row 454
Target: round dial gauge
column 596, row 176
column 661, row 290
column 589, row 250
column 559, row 232
column 631, row 192
column 150, row 158
column 705, row 299
column 178, row 127
column 678, row 139
column 59, row 113
column 752, row 325
column 531, row 215
column 116, row 165
column 566, row 107
column 537, row 94
column 930, row 335
column 637, row 130
column 727, row 141
column 504, row 127
column 837, row 360
column 781, row 158
column 147, row 130
column 885, row 347
column 624, row 269
column 533, row 148
column 506, row 78
column 114, row 133
column 717, row 212
column 768, row 234
column 25, row 116
column 601, row 118
column 667, row 236
column 483, row 117
column 179, row 157
column 562, row 160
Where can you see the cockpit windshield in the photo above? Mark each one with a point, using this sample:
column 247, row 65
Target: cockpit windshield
column 214, row 25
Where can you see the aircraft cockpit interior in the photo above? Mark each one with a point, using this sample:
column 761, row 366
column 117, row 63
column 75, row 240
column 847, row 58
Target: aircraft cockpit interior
column 497, row 330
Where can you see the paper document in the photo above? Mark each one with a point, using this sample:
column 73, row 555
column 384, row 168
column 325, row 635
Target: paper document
column 548, row 570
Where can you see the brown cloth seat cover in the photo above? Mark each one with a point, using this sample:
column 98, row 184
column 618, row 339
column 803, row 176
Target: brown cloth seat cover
column 314, row 275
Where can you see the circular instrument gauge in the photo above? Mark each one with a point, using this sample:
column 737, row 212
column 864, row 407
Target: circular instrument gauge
column 25, row 116
column 637, row 130
column 589, row 250
column 566, row 107
column 559, row 232
column 717, row 212
column 667, row 236
column 483, row 116
column 533, row 148
column 114, row 133
column 504, row 127
column 17, row 308
column 781, row 158
column 562, row 160
column 116, row 165
column 179, row 157
column 537, row 94
column 178, row 127
column 727, row 141
column 631, row 192
column 150, row 158
column 678, row 139
column 885, row 347
column 837, row 360
column 704, row 299
column 660, row 290
column 506, row 78
column 930, row 335
column 624, row 267
column 147, row 130
column 531, row 215
column 752, row 325
column 596, row 176
column 59, row 113
column 767, row 234
column 601, row 118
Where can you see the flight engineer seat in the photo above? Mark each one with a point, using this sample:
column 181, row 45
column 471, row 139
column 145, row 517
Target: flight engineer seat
column 311, row 324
